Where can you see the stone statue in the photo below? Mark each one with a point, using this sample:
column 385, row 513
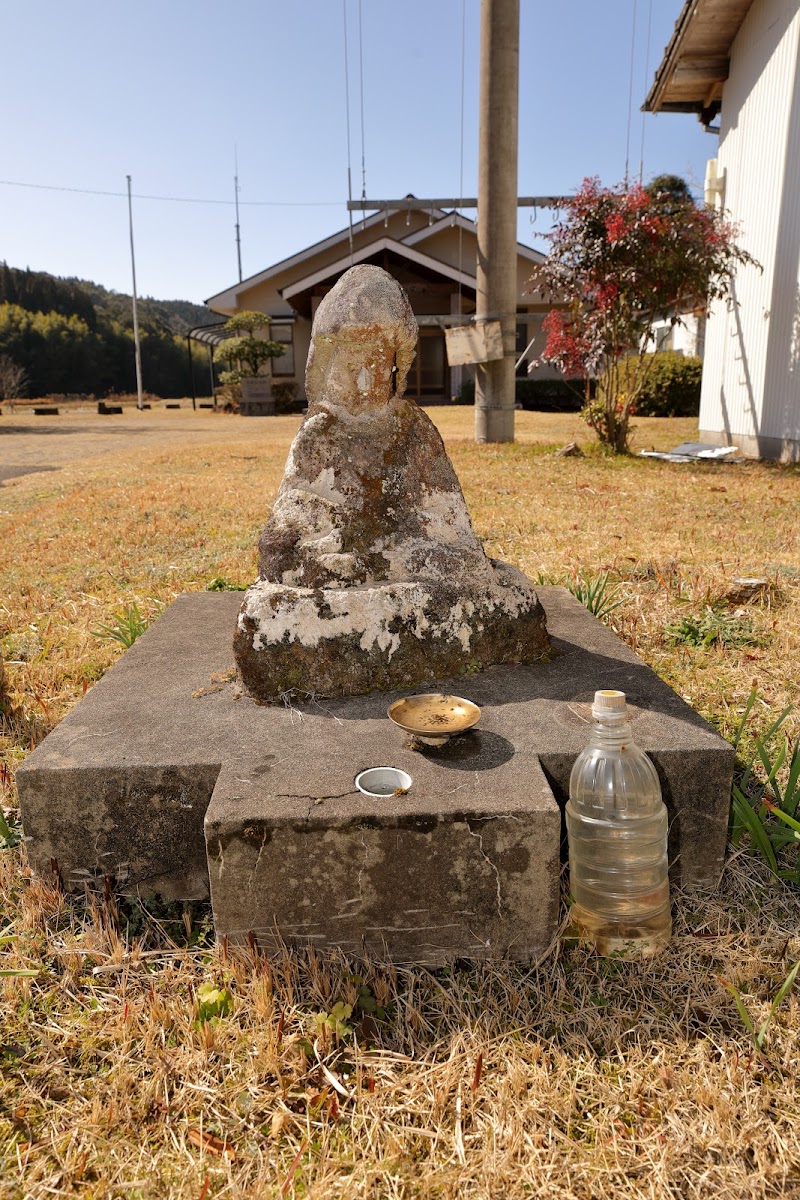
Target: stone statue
column 370, row 575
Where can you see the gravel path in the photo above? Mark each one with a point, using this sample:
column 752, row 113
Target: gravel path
column 29, row 443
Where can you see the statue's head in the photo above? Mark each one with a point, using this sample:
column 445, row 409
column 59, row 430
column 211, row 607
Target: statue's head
column 362, row 342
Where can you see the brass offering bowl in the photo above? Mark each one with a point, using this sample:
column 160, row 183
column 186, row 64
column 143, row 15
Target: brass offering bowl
column 434, row 718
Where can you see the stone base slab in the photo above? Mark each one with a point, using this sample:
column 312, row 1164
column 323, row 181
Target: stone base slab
column 465, row 864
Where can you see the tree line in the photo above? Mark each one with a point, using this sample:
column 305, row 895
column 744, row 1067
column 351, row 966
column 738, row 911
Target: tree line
column 71, row 336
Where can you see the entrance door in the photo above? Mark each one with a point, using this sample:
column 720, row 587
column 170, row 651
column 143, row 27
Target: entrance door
column 427, row 379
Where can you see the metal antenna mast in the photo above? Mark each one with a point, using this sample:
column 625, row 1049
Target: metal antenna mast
column 136, row 341
column 236, row 198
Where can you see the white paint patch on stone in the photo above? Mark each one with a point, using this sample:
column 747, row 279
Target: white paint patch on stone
column 448, row 519
column 279, row 611
column 324, row 486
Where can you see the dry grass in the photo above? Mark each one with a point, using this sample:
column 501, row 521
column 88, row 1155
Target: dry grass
column 577, row 1078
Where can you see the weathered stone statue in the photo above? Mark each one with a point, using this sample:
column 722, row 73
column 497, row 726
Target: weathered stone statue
column 370, row 576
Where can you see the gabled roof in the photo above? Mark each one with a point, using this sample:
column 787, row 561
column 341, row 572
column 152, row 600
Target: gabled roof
column 228, row 296
column 383, row 243
column 419, row 235
column 695, row 63
column 441, row 219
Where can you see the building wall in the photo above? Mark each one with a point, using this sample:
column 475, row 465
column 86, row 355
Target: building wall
column 686, row 337
column 751, row 378
column 459, row 248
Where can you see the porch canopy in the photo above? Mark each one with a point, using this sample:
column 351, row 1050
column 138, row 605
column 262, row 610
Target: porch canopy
column 205, row 335
column 208, row 335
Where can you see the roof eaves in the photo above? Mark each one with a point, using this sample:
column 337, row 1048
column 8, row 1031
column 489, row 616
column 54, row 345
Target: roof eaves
column 383, row 243
column 292, row 260
column 420, row 235
column 667, row 64
column 707, row 63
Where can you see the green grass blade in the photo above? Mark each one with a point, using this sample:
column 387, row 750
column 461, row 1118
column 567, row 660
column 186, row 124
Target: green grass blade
column 748, row 708
column 792, row 822
column 776, row 724
column 780, row 759
column 771, row 766
column 754, row 826
column 791, row 795
column 783, row 990
column 747, row 1020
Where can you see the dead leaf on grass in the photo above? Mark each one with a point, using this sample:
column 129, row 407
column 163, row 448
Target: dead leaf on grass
column 212, row 1144
column 280, row 1121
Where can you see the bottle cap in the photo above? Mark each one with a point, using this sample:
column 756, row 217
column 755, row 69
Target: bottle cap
column 609, row 704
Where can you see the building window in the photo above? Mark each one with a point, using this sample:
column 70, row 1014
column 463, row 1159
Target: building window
column 663, row 337
column 284, row 365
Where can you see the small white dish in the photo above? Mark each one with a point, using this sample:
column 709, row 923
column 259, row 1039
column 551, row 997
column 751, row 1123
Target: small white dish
column 381, row 782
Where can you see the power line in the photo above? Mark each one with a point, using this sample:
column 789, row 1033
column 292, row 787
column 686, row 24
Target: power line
column 361, row 84
column 347, row 126
column 52, row 187
column 461, row 151
column 647, row 80
column 630, row 97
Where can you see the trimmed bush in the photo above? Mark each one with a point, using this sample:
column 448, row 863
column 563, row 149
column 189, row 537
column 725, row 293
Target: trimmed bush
column 538, row 395
column 285, row 396
column 672, row 386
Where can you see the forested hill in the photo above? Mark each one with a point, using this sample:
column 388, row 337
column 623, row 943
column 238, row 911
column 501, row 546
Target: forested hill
column 38, row 291
column 71, row 335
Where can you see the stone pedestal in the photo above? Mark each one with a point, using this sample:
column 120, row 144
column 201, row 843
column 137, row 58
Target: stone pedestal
column 257, row 398
column 169, row 779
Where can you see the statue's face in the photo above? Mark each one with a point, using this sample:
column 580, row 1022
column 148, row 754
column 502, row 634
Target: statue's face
column 358, row 367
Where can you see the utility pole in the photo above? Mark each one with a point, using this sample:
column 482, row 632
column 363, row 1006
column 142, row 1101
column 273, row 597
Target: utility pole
column 496, row 293
column 236, row 197
column 136, row 342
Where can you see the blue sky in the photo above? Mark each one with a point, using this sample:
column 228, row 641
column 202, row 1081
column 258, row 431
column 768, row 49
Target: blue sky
column 163, row 90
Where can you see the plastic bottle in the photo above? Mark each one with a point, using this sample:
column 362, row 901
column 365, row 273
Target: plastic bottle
column 617, row 833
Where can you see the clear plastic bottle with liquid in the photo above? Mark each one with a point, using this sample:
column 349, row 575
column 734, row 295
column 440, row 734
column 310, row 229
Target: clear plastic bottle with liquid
column 617, row 833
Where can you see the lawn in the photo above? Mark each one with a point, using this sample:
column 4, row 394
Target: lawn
column 139, row 1059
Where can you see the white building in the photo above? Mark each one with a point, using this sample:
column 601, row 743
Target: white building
column 686, row 336
column 740, row 60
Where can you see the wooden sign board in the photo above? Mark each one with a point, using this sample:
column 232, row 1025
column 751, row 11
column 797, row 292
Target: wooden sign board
column 474, row 343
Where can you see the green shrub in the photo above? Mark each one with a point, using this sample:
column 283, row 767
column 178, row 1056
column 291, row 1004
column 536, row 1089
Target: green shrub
column 538, row 395
column 285, row 396
column 672, row 386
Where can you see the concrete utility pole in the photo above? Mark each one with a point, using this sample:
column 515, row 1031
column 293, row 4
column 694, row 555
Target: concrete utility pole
column 136, row 341
column 497, row 213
